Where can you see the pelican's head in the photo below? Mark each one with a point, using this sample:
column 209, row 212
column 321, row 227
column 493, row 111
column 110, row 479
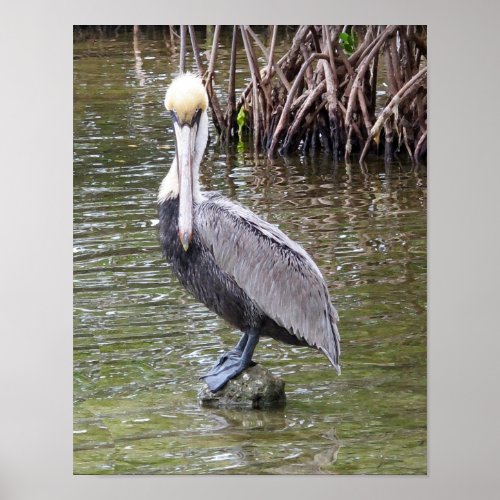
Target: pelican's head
column 187, row 101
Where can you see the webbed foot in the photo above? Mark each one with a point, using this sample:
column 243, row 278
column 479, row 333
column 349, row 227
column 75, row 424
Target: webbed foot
column 232, row 363
column 227, row 367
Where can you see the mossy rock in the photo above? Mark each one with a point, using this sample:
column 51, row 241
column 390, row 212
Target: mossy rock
column 256, row 387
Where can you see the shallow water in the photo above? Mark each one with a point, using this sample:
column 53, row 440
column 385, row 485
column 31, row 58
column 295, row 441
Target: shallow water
column 141, row 342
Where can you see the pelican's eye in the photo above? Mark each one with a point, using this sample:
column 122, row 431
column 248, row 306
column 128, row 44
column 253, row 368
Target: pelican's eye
column 196, row 116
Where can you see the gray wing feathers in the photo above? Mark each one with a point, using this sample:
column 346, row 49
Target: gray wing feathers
column 274, row 271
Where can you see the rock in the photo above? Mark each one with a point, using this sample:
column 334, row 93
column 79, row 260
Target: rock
column 256, row 387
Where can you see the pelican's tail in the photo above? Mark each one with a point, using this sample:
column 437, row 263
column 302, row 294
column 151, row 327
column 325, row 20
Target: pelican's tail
column 334, row 363
column 333, row 350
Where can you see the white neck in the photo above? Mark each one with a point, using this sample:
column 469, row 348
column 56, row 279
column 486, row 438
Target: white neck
column 169, row 187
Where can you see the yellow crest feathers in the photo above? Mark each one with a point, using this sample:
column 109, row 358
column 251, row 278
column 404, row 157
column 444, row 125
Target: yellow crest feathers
column 185, row 96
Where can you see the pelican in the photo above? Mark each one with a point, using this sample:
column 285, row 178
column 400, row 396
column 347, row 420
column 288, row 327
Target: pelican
column 241, row 267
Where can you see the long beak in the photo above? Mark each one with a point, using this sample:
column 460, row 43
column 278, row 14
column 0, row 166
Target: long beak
column 185, row 137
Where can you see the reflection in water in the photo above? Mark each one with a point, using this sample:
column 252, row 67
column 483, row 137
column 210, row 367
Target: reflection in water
column 270, row 419
column 140, row 342
column 141, row 76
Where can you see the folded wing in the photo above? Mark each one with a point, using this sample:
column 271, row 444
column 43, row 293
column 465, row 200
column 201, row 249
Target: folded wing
column 274, row 271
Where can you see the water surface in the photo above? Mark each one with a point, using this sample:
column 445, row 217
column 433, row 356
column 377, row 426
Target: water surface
column 141, row 342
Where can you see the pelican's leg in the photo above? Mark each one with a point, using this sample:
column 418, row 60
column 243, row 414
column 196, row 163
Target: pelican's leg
column 233, row 353
column 232, row 363
column 240, row 346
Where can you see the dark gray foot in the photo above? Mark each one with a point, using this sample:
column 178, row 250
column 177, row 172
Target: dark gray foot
column 229, row 366
column 232, row 363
